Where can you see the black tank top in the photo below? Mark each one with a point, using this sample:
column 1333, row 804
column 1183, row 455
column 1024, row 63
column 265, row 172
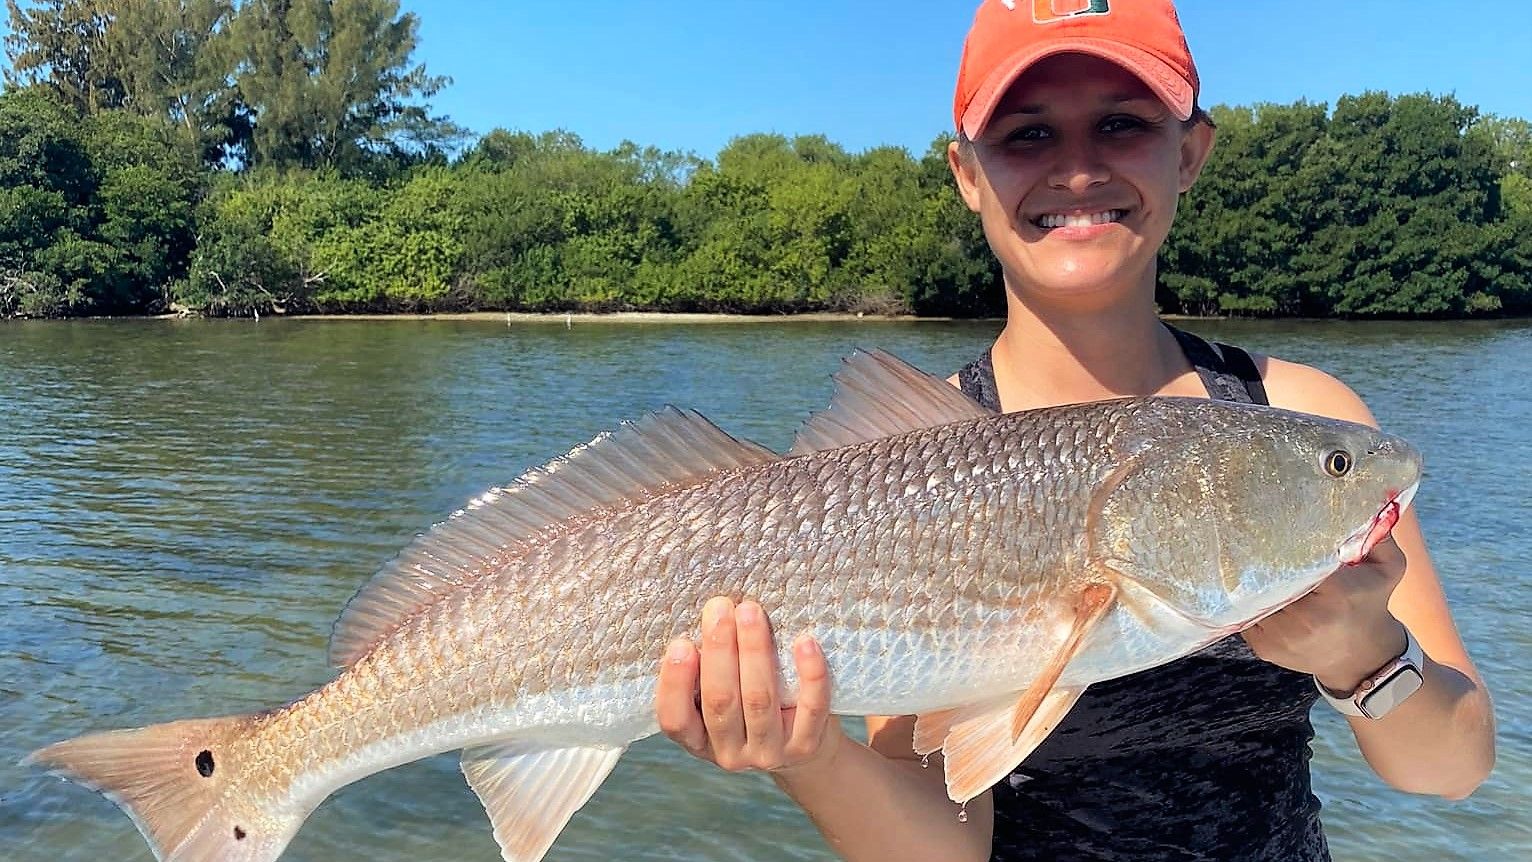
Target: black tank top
column 1205, row 758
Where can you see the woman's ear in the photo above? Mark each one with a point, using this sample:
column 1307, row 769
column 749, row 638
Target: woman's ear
column 965, row 170
column 1196, row 146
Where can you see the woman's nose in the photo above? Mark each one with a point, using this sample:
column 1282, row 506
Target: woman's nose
column 1077, row 167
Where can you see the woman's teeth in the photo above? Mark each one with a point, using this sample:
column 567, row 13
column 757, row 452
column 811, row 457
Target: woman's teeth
column 1053, row 221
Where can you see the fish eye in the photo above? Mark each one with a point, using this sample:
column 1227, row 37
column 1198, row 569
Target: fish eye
column 1338, row 463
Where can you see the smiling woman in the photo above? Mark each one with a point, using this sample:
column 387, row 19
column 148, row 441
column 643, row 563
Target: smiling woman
column 1079, row 130
column 1076, row 175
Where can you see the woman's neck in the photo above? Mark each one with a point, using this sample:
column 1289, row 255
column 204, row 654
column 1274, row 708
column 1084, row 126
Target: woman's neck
column 1047, row 356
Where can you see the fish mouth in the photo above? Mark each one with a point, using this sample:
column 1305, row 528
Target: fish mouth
column 1359, row 544
column 1350, row 552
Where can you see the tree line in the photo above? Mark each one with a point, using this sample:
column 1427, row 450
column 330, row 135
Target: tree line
column 235, row 158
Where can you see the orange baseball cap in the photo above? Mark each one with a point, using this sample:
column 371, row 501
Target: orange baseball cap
column 1008, row 36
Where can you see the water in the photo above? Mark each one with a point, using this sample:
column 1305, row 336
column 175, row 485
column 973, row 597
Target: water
column 185, row 507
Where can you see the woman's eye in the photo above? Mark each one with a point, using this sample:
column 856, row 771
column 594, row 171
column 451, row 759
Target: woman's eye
column 1121, row 124
column 1026, row 134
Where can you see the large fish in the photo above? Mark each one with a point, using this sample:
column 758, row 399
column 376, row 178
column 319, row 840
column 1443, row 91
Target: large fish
column 974, row 569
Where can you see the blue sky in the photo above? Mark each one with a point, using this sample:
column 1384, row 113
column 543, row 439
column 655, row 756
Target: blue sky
column 689, row 75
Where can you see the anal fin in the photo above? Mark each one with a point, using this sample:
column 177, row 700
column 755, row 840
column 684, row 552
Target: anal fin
column 531, row 791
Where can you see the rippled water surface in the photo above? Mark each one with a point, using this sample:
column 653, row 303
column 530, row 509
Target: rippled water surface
column 186, row 506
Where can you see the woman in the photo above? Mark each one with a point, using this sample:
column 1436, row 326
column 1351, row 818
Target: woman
column 1078, row 131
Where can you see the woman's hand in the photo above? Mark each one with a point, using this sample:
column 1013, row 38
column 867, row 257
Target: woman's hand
column 738, row 722
column 1342, row 631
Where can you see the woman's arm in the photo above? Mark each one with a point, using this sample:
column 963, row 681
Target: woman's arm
column 871, row 803
column 1442, row 740
column 878, row 802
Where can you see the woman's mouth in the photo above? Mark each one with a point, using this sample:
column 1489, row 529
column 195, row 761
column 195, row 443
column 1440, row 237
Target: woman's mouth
column 1053, row 221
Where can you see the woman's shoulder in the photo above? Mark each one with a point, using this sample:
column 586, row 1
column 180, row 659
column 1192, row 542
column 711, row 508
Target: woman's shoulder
column 1295, row 386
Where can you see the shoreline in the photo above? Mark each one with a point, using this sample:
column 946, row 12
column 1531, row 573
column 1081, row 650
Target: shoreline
column 528, row 317
column 509, row 318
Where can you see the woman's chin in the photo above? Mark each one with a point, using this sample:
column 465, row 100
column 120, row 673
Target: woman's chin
column 1076, row 286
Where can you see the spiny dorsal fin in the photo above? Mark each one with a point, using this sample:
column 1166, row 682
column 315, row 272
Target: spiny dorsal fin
column 879, row 395
column 663, row 450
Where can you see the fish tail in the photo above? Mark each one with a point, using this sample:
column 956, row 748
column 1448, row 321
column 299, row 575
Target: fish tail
column 179, row 783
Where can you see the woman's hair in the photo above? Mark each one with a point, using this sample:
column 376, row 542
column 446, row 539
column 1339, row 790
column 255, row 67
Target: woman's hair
column 965, row 146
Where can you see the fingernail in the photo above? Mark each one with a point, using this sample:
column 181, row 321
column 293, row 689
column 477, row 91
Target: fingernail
column 677, row 652
column 748, row 614
column 806, row 647
column 712, row 611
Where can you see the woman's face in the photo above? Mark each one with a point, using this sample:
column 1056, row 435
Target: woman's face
column 1076, row 179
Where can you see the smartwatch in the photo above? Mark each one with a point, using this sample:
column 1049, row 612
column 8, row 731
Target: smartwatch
column 1385, row 689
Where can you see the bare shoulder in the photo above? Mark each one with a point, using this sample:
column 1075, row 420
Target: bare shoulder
column 1294, row 386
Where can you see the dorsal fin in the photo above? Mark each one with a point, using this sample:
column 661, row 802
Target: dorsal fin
column 879, row 395
column 660, row 451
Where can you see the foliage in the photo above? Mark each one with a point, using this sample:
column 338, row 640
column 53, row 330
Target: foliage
column 60, row 43
column 276, row 83
column 269, row 156
column 1384, row 207
column 96, row 213
column 330, row 82
column 172, row 61
column 403, row 254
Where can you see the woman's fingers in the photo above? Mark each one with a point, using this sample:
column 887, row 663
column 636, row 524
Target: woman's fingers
column 758, row 682
column 1388, row 559
column 722, row 702
column 675, row 703
column 720, row 682
column 813, row 709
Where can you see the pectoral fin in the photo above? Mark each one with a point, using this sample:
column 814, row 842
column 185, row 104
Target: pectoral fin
column 1094, row 602
column 983, row 742
column 530, row 792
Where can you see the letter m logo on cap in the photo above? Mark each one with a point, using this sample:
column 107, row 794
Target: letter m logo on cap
column 1048, row 11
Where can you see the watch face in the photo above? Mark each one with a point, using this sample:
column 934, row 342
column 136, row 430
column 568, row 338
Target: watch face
column 1391, row 692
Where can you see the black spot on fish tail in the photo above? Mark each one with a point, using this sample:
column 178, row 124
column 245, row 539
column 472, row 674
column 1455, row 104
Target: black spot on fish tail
column 205, row 763
column 239, row 834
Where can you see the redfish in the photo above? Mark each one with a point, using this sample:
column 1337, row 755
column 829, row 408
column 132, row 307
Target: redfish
column 974, row 569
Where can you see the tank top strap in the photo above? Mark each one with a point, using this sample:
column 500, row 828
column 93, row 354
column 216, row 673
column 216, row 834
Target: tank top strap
column 977, row 380
column 1228, row 373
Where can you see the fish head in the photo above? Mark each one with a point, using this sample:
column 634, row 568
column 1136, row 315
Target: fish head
column 1240, row 510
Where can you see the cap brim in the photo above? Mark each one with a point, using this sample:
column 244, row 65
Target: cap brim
column 1162, row 78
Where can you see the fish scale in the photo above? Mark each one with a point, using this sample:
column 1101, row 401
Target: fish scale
column 475, row 634
column 976, row 570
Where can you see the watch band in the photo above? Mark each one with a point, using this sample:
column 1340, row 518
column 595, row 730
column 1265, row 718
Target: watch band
column 1386, row 688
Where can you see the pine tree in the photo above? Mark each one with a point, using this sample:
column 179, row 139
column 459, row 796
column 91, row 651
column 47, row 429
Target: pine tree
column 329, row 82
column 172, row 62
column 62, row 43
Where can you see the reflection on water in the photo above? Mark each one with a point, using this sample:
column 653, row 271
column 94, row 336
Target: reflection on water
column 186, row 506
